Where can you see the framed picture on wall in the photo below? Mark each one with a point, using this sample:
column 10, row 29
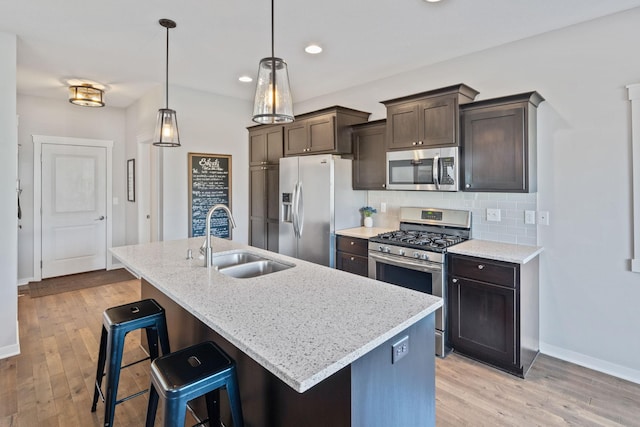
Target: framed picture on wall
column 131, row 180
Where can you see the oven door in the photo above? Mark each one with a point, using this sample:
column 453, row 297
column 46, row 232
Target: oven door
column 419, row 275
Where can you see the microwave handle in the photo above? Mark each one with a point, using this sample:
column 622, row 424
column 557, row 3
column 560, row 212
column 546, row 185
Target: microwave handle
column 436, row 171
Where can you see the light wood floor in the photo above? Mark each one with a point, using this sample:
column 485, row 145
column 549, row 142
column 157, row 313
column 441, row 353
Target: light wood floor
column 51, row 382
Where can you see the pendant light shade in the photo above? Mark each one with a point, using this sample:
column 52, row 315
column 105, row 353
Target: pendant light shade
column 166, row 132
column 273, row 102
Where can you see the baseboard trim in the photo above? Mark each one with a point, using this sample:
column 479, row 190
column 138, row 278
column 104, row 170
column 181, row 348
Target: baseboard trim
column 115, row 266
column 599, row 365
column 13, row 349
column 25, row 281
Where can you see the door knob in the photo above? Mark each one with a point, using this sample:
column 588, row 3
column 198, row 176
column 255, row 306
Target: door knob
column 100, row 218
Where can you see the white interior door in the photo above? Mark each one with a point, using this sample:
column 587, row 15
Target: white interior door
column 74, row 209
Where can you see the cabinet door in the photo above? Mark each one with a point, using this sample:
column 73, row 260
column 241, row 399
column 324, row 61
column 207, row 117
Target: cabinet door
column 258, row 191
column 257, row 233
column 274, row 143
column 295, row 138
column 322, row 134
column 273, row 228
column 402, row 126
column 257, row 147
column 438, row 122
column 494, row 150
column 482, row 321
column 369, row 162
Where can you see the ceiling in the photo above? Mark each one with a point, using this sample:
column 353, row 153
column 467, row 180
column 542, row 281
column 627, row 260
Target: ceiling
column 120, row 44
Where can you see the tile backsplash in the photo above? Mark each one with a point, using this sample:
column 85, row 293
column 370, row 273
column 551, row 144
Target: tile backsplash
column 510, row 229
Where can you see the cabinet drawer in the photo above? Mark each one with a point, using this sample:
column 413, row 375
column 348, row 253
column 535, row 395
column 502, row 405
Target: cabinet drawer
column 352, row 245
column 484, row 270
column 352, row 263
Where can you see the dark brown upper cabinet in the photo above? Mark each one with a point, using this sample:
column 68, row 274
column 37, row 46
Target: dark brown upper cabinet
column 427, row 119
column 266, row 145
column 369, row 155
column 324, row 131
column 499, row 144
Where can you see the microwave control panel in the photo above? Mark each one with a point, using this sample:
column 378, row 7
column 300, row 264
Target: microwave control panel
column 448, row 168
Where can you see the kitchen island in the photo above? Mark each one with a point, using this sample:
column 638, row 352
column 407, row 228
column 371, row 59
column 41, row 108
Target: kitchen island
column 313, row 345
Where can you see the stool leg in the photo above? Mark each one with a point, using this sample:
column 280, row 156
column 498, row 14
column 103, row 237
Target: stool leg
column 175, row 412
column 102, row 356
column 234, row 400
column 152, row 407
column 115, row 347
column 152, row 340
column 163, row 335
column 213, row 407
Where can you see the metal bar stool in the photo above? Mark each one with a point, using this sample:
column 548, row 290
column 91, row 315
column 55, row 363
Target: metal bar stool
column 202, row 369
column 117, row 323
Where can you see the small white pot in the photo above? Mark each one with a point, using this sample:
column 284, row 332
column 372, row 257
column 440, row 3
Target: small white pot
column 368, row 221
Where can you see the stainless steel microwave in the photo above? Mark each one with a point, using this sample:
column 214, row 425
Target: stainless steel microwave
column 433, row 169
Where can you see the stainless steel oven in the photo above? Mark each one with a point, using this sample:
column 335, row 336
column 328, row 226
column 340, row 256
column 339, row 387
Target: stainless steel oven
column 414, row 256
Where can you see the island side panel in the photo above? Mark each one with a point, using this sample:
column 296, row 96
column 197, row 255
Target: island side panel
column 266, row 400
column 401, row 393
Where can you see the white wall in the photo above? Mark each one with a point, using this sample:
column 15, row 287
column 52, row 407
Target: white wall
column 207, row 123
column 8, row 213
column 589, row 298
column 51, row 117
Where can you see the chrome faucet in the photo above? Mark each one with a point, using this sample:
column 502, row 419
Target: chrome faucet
column 207, row 242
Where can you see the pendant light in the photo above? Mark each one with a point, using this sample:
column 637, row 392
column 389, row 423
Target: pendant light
column 166, row 133
column 273, row 102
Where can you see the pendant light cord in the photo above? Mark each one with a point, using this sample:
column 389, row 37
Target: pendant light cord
column 166, row 88
column 273, row 64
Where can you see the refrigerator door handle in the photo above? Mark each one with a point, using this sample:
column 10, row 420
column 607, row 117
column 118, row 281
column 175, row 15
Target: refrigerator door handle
column 300, row 210
column 294, row 210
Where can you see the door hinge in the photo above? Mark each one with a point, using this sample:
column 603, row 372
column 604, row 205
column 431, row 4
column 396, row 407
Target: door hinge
column 40, row 263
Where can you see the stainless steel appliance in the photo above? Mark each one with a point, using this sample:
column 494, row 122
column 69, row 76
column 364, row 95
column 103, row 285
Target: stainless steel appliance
column 433, row 169
column 415, row 255
column 316, row 199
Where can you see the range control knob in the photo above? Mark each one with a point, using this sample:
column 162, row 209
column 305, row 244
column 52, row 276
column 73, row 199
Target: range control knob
column 416, row 254
column 401, row 252
column 384, row 249
column 424, row 256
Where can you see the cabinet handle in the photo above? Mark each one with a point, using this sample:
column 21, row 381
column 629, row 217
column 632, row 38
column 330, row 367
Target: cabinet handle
column 454, row 280
column 352, row 243
column 414, row 143
column 480, row 266
column 384, row 185
column 352, row 259
column 467, row 186
column 419, row 142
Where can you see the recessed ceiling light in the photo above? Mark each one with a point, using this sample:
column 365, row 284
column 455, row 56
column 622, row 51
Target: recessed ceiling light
column 245, row 79
column 432, row 1
column 313, row 49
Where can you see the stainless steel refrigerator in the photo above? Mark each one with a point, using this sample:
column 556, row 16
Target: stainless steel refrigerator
column 316, row 199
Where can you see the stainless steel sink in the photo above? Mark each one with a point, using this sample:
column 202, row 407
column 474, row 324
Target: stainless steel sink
column 254, row 269
column 226, row 260
column 243, row 265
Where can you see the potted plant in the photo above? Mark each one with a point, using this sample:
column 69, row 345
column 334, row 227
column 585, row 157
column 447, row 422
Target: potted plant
column 368, row 212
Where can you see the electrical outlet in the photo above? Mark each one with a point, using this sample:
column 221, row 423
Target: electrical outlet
column 529, row 217
column 543, row 217
column 493, row 215
column 383, row 207
column 400, row 349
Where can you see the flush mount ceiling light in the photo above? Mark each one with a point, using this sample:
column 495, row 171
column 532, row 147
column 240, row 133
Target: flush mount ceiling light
column 245, row 79
column 166, row 133
column 273, row 103
column 313, row 49
column 86, row 95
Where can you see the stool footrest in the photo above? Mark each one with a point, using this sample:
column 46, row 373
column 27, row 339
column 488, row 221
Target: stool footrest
column 124, row 399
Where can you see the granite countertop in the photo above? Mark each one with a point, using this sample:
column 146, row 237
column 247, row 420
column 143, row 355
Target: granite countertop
column 508, row 252
column 302, row 324
column 363, row 232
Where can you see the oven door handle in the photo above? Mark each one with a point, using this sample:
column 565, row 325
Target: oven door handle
column 425, row 266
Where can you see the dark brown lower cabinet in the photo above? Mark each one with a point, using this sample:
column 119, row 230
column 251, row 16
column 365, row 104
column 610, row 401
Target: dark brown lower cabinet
column 493, row 311
column 351, row 255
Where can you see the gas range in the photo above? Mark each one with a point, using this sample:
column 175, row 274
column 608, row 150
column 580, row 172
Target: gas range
column 424, row 233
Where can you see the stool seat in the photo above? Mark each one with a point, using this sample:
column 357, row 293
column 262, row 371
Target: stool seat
column 199, row 370
column 117, row 322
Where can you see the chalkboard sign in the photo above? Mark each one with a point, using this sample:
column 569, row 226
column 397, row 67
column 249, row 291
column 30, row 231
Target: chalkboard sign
column 209, row 184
